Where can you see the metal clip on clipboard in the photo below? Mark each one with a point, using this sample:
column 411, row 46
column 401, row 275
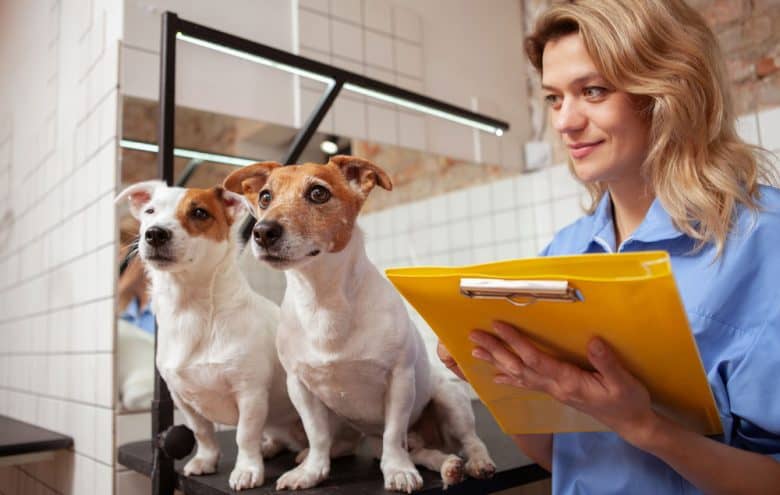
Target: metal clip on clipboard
column 520, row 292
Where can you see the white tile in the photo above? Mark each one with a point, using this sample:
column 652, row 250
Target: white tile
column 543, row 219
column 378, row 14
column 407, row 24
column 104, row 435
column 507, row 251
column 346, row 40
column 505, row 226
column 352, row 66
column 408, row 59
column 104, row 477
column 422, row 242
column 769, row 126
column 314, row 30
column 482, row 230
column 309, row 101
column 747, row 128
column 83, row 474
column 460, row 234
column 400, row 219
column 526, row 223
column 383, row 75
column 458, row 204
column 350, row 10
column 528, row 248
column 411, row 83
column 562, row 183
column 349, row 118
column 541, row 188
column 565, row 211
column 382, row 124
column 484, row 254
column 462, row 257
column 439, row 212
column 104, row 377
column 503, row 194
column 379, row 50
column 318, row 5
column 411, row 129
column 439, row 239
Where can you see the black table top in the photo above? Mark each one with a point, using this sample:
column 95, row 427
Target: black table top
column 353, row 475
column 18, row 437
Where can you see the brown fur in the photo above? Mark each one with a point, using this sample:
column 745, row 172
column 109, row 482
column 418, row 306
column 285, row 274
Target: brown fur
column 349, row 180
column 216, row 226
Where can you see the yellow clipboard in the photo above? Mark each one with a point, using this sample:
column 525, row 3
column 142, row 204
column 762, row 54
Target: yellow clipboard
column 561, row 302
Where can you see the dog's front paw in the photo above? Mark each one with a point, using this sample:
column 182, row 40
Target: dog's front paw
column 302, row 477
column 246, row 476
column 201, row 465
column 404, row 480
column 480, row 467
column 452, row 471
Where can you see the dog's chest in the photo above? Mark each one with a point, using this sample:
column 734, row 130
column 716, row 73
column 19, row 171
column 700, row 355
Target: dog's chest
column 207, row 388
column 353, row 389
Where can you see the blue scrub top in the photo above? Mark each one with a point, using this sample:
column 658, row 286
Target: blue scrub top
column 143, row 318
column 733, row 305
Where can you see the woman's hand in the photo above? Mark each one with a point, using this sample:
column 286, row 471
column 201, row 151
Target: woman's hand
column 449, row 362
column 610, row 394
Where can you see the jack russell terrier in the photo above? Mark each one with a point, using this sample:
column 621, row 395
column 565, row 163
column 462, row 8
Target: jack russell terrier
column 216, row 337
column 350, row 350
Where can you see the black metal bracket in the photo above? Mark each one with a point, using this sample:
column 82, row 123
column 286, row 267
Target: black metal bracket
column 163, row 475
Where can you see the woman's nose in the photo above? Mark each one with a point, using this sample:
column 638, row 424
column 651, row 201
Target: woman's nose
column 569, row 117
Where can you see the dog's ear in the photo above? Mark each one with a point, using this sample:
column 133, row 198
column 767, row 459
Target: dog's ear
column 362, row 174
column 233, row 203
column 139, row 195
column 250, row 179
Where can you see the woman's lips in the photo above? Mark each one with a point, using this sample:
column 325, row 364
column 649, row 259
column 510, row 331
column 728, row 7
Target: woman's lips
column 579, row 151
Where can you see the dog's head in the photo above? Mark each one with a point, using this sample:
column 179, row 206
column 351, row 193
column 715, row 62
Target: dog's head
column 305, row 210
column 182, row 228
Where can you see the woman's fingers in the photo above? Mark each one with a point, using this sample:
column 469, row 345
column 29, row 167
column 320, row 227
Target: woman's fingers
column 448, row 360
column 500, row 354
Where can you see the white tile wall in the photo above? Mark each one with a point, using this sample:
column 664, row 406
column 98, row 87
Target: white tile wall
column 58, row 151
column 370, row 37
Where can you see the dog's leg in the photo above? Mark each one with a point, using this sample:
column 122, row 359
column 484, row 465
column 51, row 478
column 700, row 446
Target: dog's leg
column 449, row 465
column 457, row 420
column 207, row 454
column 271, row 446
column 397, row 467
column 316, row 421
column 345, row 443
column 248, row 471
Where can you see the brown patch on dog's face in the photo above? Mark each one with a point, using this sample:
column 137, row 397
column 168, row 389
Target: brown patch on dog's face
column 201, row 212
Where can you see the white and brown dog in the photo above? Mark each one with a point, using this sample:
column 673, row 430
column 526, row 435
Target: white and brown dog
column 216, row 337
column 350, row 350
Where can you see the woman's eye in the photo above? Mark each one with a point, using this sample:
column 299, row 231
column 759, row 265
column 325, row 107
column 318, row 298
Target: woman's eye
column 594, row 92
column 264, row 199
column 318, row 194
column 551, row 100
column 200, row 214
column 149, row 211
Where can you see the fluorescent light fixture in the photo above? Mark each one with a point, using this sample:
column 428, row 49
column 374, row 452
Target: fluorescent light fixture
column 422, row 108
column 254, row 58
column 329, row 147
column 191, row 154
column 348, row 86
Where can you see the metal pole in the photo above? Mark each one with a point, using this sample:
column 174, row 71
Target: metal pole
column 300, row 142
column 163, row 474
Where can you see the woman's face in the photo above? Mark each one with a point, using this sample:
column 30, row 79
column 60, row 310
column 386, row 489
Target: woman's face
column 601, row 127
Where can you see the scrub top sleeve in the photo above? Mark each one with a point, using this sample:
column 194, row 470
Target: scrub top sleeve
column 754, row 393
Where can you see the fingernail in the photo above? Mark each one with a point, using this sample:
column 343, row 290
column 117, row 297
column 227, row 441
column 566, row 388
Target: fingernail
column 597, row 347
column 501, row 380
column 480, row 354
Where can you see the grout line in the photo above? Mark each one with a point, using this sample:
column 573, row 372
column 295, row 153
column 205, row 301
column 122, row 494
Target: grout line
column 54, row 397
column 58, row 309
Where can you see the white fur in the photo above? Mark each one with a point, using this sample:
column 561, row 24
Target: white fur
column 352, row 352
column 216, row 343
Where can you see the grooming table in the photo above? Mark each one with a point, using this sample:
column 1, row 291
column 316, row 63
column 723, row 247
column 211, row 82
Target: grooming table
column 353, row 475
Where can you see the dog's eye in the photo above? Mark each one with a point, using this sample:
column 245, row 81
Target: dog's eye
column 200, row 214
column 318, row 194
column 264, row 199
column 149, row 211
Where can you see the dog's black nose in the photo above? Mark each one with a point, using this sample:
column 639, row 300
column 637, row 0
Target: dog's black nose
column 267, row 233
column 157, row 236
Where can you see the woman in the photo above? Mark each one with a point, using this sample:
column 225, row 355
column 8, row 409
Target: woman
column 638, row 94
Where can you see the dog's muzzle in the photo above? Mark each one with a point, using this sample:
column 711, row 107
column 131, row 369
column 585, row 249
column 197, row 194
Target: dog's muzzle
column 267, row 233
column 157, row 237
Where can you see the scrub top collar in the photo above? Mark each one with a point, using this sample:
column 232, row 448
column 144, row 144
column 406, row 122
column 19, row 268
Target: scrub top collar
column 655, row 227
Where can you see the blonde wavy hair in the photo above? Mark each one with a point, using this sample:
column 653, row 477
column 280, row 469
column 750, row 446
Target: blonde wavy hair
column 663, row 54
